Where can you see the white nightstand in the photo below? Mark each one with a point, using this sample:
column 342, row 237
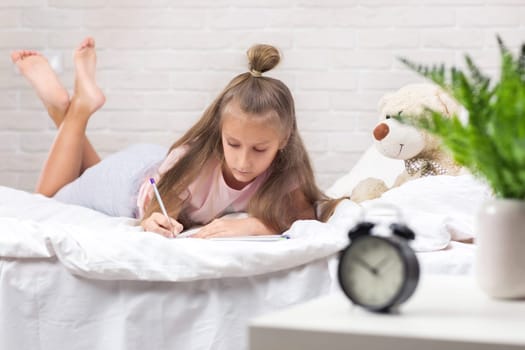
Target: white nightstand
column 446, row 312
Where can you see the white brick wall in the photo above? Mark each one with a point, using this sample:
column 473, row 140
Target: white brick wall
column 162, row 61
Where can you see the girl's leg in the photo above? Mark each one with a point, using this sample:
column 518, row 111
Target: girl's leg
column 64, row 162
column 41, row 76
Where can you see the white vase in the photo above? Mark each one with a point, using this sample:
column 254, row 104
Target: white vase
column 500, row 253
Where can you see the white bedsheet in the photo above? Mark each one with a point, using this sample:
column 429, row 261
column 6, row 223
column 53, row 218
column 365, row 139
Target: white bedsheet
column 71, row 277
column 43, row 306
column 439, row 209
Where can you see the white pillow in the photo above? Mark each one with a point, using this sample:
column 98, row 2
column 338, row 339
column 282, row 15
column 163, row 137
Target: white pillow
column 371, row 164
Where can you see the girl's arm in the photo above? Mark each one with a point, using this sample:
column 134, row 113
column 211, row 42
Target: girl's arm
column 230, row 227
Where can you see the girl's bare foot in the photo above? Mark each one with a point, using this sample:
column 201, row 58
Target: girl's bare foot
column 87, row 93
column 36, row 69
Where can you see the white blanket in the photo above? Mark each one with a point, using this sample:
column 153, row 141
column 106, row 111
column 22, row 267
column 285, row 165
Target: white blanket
column 98, row 246
column 439, row 209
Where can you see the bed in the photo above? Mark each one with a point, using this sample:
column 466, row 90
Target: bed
column 72, row 277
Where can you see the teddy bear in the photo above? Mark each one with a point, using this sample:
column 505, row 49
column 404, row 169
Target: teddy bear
column 422, row 153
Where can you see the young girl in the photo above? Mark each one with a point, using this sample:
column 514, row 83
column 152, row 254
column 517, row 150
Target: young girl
column 243, row 155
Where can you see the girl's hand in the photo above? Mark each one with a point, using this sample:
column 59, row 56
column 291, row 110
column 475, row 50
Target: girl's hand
column 158, row 223
column 224, row 227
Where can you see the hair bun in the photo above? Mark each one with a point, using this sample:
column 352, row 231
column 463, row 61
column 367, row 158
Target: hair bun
column 262, row 58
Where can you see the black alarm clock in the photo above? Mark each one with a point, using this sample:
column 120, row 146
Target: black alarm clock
column 379, row 271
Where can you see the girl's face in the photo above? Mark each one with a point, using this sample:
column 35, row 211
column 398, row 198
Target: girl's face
column 250, row 144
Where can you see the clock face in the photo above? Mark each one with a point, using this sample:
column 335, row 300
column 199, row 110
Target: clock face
column 372, row 272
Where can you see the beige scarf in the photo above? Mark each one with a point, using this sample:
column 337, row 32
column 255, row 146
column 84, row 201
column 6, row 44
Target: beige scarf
column 427, row 167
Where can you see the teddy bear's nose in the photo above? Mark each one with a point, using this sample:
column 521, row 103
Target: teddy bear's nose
column 381, row 131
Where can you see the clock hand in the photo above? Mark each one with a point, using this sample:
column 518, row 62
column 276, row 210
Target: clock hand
column 382, row 267
column 366, row 265
column 381, row 262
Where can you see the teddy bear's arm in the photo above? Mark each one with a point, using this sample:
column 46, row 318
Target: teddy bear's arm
column 369, row 188
column 404, row 177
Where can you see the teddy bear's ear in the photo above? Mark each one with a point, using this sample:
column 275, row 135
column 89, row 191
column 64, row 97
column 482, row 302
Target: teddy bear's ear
column 383, row 101
column 450, row 106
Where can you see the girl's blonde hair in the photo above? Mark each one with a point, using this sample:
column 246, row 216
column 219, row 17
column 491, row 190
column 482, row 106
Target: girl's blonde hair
column 256, row 94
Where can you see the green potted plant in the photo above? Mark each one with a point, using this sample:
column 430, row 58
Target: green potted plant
column 490, row 142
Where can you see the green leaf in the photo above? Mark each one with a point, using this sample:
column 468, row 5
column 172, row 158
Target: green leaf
column 492, row 143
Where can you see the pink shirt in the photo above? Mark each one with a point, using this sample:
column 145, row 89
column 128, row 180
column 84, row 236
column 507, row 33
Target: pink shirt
column 211, row 196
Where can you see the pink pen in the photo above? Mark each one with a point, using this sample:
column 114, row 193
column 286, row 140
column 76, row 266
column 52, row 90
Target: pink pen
column 161, row 203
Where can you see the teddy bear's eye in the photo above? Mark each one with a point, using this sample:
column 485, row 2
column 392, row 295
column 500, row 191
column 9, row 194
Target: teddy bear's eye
column 388, row 117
